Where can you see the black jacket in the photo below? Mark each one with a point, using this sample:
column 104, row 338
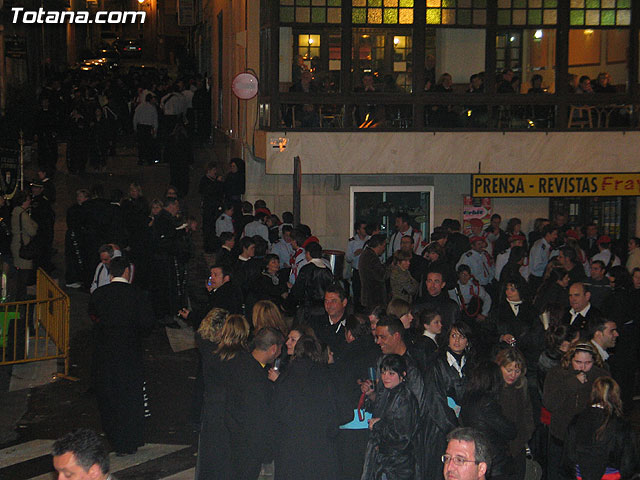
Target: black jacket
column 614, row 449
column 483, row 412
column 391, row 449
column 447, row 308
column 306, row 413
column 441, row 381
column 249, row 416
column 312, row 281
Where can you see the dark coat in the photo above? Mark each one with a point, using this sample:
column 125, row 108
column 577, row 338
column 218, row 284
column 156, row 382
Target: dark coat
column 249, row 416
column 372, row 273
column 306, row 413
column 441, row 381
column 213, row 449
column 456, row 245
column 564, row 396
column 121, row 316
column 447, row 308
column 516, row 406
column 312, row 281
column 353, row 365
column 580, row 323
column 331, row 334
column 484, row 413
column 551, row 293
column 614, row 449
column 391, row 449
column 525, row 327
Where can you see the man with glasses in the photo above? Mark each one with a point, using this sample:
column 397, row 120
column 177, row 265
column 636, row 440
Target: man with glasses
column 468, row 455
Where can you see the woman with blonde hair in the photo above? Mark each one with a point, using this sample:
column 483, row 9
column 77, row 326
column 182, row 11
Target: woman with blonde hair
column 220, row 338
column 266, row 314
column 600, row 442
column 516, row 404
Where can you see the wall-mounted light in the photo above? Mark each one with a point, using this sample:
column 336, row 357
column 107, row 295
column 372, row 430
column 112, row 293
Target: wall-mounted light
column 310, row 40
column 512, row 39
column 538, row 34
column 396, row 40
column 141, row 1
column 588, row 31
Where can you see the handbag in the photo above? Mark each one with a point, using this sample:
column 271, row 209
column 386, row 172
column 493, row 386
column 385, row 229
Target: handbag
column 28, row 251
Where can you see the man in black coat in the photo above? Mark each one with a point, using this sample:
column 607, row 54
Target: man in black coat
column 121, row 317
column 436, row 298
column 329, row 325
column 248, row 414
column 222, row 294
column 372, row 273
column 581, row 310
column 164, row 244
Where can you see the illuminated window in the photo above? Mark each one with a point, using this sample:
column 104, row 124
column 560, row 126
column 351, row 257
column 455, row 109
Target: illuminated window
column 456, row 12
column 527, row 12
column 310, row 11
column 382, row 12
column 600, row 12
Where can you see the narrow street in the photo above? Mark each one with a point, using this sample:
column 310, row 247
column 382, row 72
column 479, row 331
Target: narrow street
column 31, row 418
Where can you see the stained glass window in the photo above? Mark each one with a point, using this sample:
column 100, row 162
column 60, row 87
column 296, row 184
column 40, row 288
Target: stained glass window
column 527, row 12
column 600, row 13
column 456, row 12
column 378, row 12
column 310, row 11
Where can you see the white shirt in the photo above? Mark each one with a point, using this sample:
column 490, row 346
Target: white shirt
column 224, row 223
column 582, row 312
column 605, row 256
column 145, row 114
column 539, row 257
column 479, row 265
column 101, row 276
column 254, row 228
column 603, row 353
column 284, row 251
column 173, row 104
column 355, row 243
column 469, row 291
column 396, row 239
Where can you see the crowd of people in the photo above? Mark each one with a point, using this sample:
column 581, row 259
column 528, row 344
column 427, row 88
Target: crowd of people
column 531, row 340
column 91, row 111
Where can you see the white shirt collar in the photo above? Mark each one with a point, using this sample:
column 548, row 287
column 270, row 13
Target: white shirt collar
column 427, row 333
column 454, row 363
column 603, row 353
column 582, row 312
column 119, row 279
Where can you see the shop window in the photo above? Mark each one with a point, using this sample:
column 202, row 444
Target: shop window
column 456, row 12
column 509, row 51
column 527, row 12
column 310, row 11
column 600, row 12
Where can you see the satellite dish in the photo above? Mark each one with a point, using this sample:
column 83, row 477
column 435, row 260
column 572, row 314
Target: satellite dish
column 245, row 86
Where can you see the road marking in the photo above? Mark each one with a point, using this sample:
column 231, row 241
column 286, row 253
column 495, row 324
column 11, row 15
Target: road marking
column 150, row 451
column 24, row 451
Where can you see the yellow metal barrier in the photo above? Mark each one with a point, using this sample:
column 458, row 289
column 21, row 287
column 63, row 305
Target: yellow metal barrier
column 36, row 330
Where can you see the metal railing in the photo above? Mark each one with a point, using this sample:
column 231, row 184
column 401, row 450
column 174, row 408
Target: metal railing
column 449, row 112
column 36, row 330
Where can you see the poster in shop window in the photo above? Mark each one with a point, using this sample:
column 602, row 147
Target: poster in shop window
column 475, row 207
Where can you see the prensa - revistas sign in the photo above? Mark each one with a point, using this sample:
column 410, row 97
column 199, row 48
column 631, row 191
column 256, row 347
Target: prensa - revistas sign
column 556, row 185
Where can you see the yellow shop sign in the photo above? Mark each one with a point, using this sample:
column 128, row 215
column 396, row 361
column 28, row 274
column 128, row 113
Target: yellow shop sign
column 556, row 185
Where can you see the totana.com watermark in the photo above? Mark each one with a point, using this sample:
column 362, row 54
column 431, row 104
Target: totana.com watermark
column 20, row 15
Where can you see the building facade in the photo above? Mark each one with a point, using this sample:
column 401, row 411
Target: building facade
column 388, row 118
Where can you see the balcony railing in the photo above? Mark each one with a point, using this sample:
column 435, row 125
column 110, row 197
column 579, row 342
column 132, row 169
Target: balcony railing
column 449, row 112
